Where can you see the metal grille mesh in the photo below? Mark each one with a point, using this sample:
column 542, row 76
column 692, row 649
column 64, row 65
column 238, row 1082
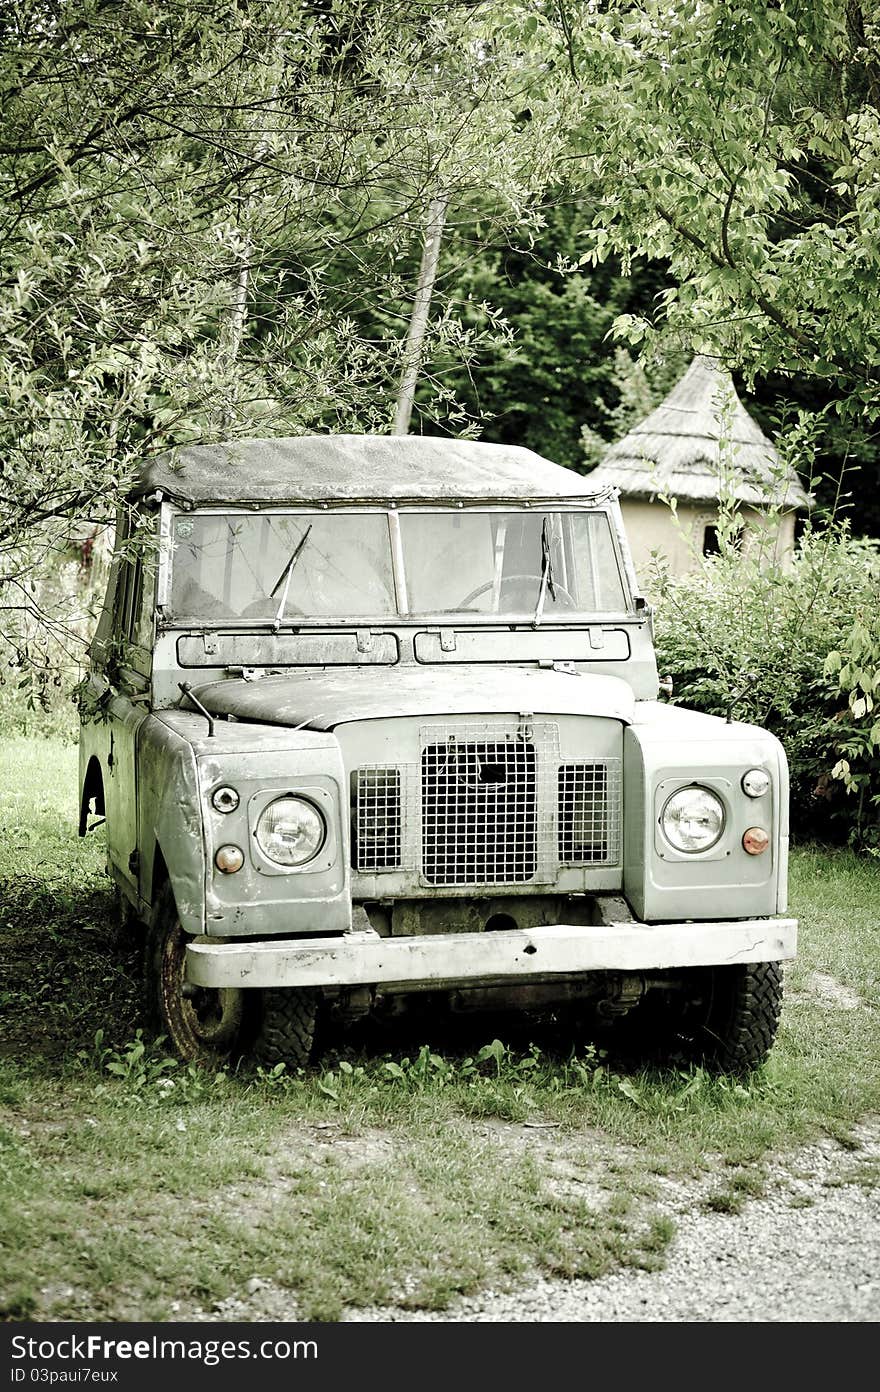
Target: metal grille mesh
column 487, row 804
column 589, row 807
column 378, row 818
column 481, row 789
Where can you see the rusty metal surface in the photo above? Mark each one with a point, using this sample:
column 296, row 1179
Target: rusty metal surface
column 584, row 643
column 324, row 699
column 170, row 815
column 367, row 958
column 179, row 765
column 312, row 468
column 288, row 649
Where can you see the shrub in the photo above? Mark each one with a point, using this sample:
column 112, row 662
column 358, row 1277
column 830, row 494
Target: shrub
column 857, row 666
column 796, row 650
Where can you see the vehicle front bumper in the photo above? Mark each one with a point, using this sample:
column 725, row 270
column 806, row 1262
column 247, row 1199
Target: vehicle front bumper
column 367, row 959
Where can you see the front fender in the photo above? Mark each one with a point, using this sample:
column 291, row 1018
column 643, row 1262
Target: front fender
column 182, row 766
column 670, row 747
column 170, row 818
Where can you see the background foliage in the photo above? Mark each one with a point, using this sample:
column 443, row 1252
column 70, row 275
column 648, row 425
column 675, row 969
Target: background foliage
column 797, row 651
column 211, row 219
column 197, row 203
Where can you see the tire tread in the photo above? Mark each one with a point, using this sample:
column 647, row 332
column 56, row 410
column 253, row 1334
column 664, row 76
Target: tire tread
column 287, row 1034
column 753, row 1007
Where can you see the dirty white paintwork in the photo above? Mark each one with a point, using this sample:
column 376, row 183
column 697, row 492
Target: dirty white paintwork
column 304, row 730
column 325, row 698
column 336, row 468
column 365, row 957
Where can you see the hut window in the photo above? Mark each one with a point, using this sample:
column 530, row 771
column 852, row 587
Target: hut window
column 711, row 546
column 712, row 541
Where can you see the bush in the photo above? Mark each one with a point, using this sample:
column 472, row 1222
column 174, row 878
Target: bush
column 796, row 650
column 38, row 705
column 50, row 595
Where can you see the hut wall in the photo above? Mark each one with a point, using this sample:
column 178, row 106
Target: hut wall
column 652, row 527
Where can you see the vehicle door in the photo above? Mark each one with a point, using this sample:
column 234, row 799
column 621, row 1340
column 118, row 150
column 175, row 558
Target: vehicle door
column 128, row 672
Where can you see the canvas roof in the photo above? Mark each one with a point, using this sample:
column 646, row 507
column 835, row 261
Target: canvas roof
column 312, row 468
column 676, row 451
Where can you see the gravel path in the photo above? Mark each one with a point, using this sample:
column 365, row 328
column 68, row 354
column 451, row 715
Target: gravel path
column 807, row 1251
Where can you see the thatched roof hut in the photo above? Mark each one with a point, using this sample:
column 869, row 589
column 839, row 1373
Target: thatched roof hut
column 675, row 451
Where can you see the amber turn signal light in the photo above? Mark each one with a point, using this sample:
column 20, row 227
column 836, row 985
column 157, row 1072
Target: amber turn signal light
column 756, row 841
column 229, row 859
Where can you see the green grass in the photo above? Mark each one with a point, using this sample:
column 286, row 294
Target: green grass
column 749, row 1183
column 425, row 1166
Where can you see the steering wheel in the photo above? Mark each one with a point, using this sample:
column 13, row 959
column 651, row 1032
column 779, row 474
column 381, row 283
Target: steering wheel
column 512, row 580
column 257, row 609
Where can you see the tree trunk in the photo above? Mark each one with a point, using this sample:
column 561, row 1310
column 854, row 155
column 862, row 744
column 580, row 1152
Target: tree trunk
column 420, row 310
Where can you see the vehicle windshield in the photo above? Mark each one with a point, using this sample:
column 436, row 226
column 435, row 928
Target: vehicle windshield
column 322, row 565
column 538, row 563
column 277, row 568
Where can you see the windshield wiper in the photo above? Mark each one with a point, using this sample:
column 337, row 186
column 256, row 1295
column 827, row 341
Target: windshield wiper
column 285, row 575
column 547, row 582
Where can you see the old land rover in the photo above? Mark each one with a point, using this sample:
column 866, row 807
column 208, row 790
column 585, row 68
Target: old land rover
column 374, row 717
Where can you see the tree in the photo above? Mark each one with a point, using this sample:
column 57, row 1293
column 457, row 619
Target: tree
column 740, row 145
column 196, row 201
column 723, row 159
column 545, row 368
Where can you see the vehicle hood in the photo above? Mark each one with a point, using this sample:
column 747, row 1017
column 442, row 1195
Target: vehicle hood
column 322, row 700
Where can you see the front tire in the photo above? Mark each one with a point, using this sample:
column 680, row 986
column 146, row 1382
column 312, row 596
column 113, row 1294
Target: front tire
column 287, row 1030
column 731, row 1016
column 202, row 1026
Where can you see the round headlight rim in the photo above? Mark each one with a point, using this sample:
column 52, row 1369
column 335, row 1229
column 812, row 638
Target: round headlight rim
column 723, row 820
column 313, row 807
column 232, row 801
column 760, row 773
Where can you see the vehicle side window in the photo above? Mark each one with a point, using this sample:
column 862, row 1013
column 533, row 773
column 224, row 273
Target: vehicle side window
column 135, row 595
column 124, row 600
column 144, row 604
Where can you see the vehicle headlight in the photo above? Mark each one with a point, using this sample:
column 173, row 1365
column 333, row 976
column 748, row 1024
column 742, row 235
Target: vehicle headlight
column 290, row 831
column 693, row 819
